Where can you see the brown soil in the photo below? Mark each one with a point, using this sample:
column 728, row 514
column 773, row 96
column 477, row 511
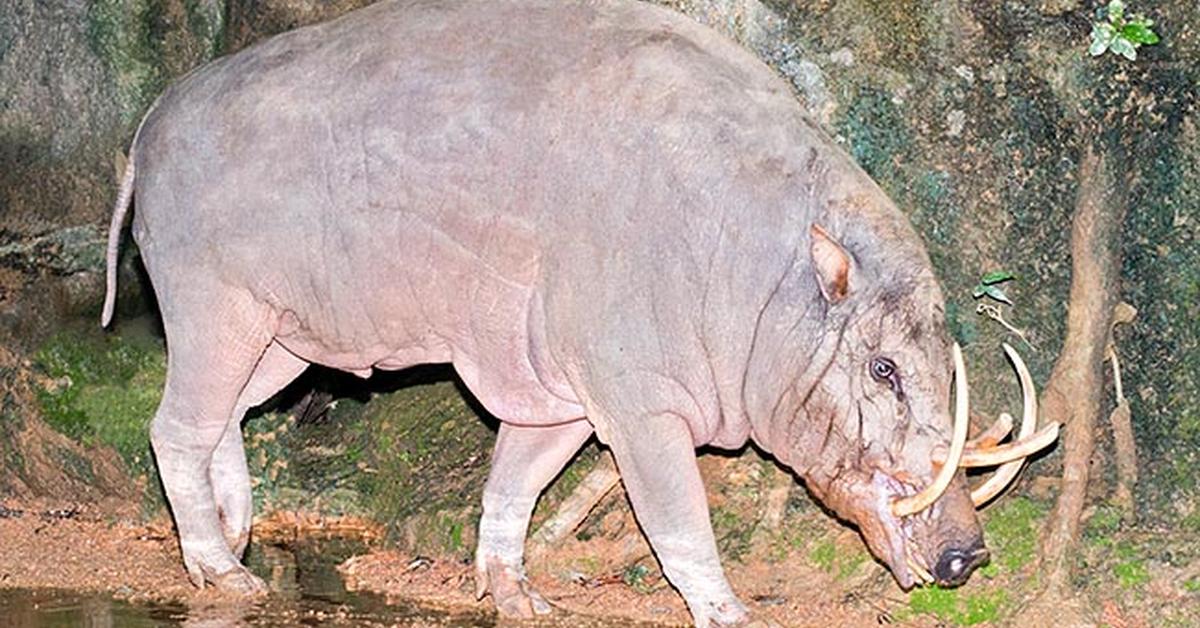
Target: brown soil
column 786, row 593
column 108, row 549
column 92, row 548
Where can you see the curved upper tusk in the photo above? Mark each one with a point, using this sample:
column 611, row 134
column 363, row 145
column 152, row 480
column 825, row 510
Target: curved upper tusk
column 1010, row 452
column 1008, row 471
column 994, row 434
column 905, row 506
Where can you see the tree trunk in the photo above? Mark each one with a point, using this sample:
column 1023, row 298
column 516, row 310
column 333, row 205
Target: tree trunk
column 1076, row 387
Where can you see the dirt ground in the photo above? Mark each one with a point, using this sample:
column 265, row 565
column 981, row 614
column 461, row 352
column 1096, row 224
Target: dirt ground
column 106, row 548
column 814, row 574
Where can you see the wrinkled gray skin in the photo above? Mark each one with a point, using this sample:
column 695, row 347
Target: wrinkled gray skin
column 601, row 213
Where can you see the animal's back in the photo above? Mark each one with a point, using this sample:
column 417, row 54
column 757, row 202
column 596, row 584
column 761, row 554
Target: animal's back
column 397, row 182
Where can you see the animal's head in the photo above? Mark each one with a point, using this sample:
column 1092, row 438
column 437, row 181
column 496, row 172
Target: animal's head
column 878, row 438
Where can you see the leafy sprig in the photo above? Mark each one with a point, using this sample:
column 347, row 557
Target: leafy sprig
column 989, row 286
column 1121, row 34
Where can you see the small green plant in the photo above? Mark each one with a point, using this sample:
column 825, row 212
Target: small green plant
column 1192, row 586
column 1119, row 33
column 989, row 286
column 637, row 577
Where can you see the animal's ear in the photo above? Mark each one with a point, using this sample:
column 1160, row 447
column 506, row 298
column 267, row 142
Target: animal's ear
column 832, row 264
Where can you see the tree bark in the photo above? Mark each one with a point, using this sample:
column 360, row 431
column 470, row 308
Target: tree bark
column 1075, row 390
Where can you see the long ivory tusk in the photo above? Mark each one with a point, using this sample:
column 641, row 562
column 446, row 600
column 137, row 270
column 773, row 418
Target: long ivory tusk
column 994, row 434
column 1001, row 454
column 916, row 503
column 1007, row 472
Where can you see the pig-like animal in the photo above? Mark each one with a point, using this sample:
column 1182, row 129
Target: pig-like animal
column 609, row 219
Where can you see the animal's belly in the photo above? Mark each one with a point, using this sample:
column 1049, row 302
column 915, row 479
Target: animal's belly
column 492, row 354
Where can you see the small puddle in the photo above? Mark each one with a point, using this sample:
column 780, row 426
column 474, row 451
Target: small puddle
column 306, row 588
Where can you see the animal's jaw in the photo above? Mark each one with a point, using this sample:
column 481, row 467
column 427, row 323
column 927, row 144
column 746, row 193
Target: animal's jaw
column 896, row 542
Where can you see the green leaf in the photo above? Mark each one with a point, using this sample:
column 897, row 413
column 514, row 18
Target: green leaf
column 1124, row 47
column 978, row 291
column 1116, row 11
column 1139, row 33
column 997, row 293
column 1102, row 36
column 996, row 276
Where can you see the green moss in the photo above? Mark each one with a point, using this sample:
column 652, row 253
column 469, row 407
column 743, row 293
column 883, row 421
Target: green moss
column 1103, row 524
column 1011, row 531
column 850, row 562
column 206, row 22
column 877, row 134
column 824, row 554
column 103, row 390
column 424, row 451
column 734, row 533
column 1131, row 574
column 950, row 605
column 119, row 32
column 1191, row 522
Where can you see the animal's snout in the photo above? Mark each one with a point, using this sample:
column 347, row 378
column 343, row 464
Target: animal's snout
column 956, row 564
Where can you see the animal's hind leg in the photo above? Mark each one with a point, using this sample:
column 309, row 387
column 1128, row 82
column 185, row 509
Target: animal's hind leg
column 228, row 472
column 210, row 360
column 523, row 463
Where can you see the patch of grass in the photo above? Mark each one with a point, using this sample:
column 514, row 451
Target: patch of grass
column 1011, row 530
column 1192, row 585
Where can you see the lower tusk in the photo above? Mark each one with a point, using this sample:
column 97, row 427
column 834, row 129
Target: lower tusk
column 1008, row 471
column 1011, row 452
column 920, row 572
column 994, row 434
column 916, row 503
column 917, row 568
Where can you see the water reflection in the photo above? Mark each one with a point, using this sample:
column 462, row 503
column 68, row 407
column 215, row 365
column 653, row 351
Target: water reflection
column 307, row 591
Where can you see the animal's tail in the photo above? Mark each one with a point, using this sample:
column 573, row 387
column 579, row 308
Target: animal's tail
column 124, row 196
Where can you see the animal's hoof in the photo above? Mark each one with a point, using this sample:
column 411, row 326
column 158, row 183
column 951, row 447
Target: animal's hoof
column 239, row 581
column 511, row 591
column 725, row 614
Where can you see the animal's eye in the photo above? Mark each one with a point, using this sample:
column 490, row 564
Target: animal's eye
column 883, row 371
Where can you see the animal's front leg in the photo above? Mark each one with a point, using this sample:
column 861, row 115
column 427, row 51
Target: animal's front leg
column 523, row 463
column 657, row 461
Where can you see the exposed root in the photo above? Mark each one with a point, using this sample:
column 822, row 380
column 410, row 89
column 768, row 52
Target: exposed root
column 1074, row 392
column 575, row 508
column 1122, row 423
